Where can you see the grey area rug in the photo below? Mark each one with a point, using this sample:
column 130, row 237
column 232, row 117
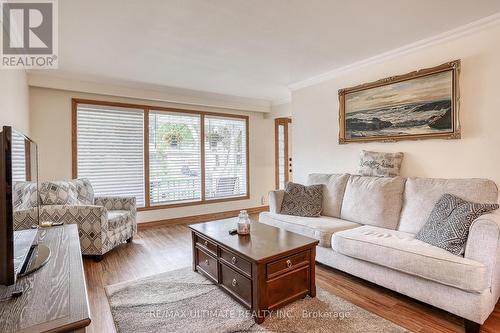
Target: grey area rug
column 185, row 301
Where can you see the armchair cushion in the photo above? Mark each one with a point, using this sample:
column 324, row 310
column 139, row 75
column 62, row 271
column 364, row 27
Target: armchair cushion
column 58, row 193
column 84, row 190
column 24, row 195
column 117, row 218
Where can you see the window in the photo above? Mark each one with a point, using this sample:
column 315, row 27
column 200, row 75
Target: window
column 161, row 156
column 110, row 150
column 225, row 157
column 174, row 157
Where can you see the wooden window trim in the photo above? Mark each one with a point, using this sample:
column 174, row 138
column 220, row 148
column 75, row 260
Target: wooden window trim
column 281, row 122
column 146, row 109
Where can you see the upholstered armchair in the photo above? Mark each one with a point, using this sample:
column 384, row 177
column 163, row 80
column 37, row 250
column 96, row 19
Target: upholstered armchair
column 103, row 222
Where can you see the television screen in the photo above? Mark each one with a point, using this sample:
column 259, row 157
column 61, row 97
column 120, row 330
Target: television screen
column 18, row 201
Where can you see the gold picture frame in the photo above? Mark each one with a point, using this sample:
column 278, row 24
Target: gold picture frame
column 423, row 104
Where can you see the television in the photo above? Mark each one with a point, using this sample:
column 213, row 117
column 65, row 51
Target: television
column 19, row 252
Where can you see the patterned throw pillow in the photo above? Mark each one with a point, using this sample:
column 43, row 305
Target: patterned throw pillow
column 449, row 223
column 300, row 200
column 374, row 163
column 24, row 195
column 58, row 193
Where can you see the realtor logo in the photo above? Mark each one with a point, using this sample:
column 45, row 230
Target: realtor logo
column 29, row 34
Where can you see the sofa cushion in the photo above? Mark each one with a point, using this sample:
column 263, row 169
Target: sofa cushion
column 333, row 191
column 300, row 200
column 402, row 252
column 117, row 218
column 320, row 228
column 421, row 194
column 373, row 200
column 58, row 193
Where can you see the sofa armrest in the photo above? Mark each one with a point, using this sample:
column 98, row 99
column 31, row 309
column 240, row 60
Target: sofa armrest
column 116, row 203
column 25, row 218
column 76, row 214
column 92, row 224
column 275, row 200
column 483, row 243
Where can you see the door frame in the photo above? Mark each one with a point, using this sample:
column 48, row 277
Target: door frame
column 285, row 123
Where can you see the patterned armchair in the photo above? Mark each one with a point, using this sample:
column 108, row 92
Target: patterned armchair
column 103, row 222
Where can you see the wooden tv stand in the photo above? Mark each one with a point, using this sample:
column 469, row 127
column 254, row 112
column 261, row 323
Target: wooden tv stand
column 54, row 298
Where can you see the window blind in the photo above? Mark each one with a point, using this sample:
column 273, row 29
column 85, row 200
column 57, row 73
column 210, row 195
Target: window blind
column 225, row 157
column 174, row 157
column 18, row 158
column 110, row 150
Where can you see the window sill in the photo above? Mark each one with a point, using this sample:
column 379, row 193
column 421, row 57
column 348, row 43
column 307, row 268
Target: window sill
column 192, row 203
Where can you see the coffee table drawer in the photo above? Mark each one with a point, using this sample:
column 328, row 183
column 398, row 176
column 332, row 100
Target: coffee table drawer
column 236, row 261
column 289, row 286
column 207, row 263
column 205, row 243
column 283, row 265
column 237, row 284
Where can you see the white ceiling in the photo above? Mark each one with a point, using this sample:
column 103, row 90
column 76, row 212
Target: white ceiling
column 250, row 48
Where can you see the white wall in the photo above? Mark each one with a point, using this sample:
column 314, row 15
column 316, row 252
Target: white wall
column 51, row 129
column 14, row 105
column 477, row 154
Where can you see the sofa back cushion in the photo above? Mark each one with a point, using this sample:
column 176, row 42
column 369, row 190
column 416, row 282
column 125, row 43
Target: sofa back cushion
column 84, row 190
column 422, row 194
column 373, row 201
column 333, row 191
column 58, row 193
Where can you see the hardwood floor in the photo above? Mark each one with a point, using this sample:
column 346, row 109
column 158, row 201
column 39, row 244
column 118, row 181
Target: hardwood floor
column 160, row 249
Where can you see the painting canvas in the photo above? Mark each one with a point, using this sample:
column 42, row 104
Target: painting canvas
column 417, row 105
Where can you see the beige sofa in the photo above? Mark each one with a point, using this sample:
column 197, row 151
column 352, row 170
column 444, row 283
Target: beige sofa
column 368, row 230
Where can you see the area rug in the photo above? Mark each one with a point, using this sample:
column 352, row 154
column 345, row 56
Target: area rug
column 185, row 301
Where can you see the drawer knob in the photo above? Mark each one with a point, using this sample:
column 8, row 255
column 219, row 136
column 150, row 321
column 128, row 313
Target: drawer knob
column 233, row 260
column 207, row 262
column 206, row 243
column 288, row 263
column 234, row 282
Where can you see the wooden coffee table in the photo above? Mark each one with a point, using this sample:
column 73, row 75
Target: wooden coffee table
column 263, row 271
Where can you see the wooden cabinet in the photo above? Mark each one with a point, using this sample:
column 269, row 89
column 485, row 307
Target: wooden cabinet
column 259, row 282
column 54, row 298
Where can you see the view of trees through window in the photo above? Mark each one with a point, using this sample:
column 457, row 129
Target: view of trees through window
column 174, row 157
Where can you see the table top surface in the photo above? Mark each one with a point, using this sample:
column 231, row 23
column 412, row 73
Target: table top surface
column 55, row 296
column 263, row 243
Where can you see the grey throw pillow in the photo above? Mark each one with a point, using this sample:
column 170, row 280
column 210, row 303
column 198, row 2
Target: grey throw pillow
column 300, row 200
column 449, row 223
column 374, row 163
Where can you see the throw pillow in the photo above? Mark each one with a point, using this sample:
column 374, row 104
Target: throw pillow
column 58, row 193
column 374, row 163
column 300, row 200
column 449, row 223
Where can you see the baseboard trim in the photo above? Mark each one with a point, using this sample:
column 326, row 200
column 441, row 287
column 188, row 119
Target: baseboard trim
column 199, row 218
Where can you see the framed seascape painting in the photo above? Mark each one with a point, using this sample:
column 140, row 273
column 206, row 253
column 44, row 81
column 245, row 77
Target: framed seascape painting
column 420, row 105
